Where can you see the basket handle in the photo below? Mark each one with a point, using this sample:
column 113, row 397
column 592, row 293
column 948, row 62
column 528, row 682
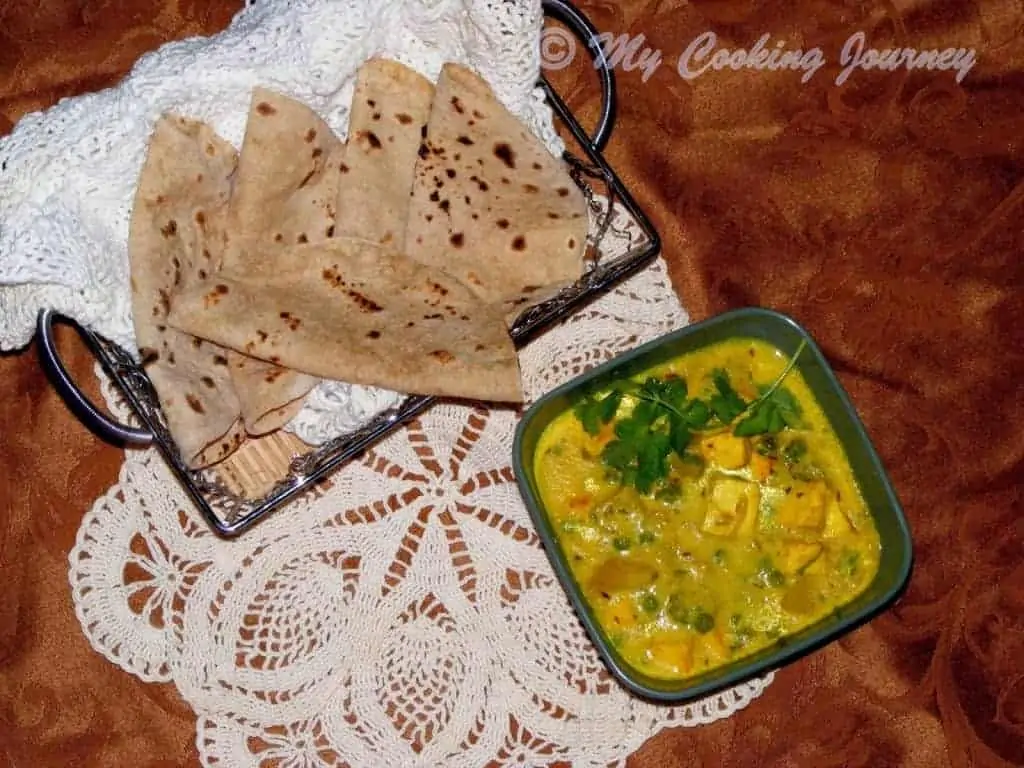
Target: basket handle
column 93, row 418
column 567, row 13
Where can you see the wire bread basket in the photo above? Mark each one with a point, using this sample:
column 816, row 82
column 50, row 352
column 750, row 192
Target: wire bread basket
column 268, row 472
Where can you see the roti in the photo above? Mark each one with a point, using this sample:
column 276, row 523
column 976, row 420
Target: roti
column 356, row 311
column 175, row 241
column 388, row 115
column 393, row 260
column 490, row 204
column 284, row 194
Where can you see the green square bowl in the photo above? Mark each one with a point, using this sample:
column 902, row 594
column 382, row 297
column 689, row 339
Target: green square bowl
column 876, row 488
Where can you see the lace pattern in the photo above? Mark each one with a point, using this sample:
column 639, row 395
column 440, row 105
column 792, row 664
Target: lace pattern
column 403, row 614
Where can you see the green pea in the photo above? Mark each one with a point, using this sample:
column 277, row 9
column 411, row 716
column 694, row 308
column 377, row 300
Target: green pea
column 649, row 603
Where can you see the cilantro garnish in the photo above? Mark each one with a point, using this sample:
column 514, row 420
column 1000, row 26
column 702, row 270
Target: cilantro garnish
column 664, row 419
column 659, row 425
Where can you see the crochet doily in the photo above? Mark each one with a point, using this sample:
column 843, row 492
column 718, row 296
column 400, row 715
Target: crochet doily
column 404, row 616
column 68, row 174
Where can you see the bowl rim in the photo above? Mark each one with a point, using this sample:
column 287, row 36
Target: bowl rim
column 779, row 655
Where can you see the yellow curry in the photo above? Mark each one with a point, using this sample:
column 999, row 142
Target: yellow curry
column 706, row 508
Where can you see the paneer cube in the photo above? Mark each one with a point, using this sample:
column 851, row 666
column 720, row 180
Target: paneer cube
column 726, row 451
column 623, row 574
column 794, row 556
column 720, row 522
column 837, row 524
column 672, row 653
column 804, row 508
column 732, row 508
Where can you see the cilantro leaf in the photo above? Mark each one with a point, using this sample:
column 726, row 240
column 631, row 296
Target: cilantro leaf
column 697, row 414
column 757, row 423
column 669, row 393
column 619, row 454
column 726, row 403
column 663, row 420
column 593, row 412
column 610, row 405
column 632, row 429
column 651, row 388
column 788, row 406
column 765, row 418
column 679, row 434
column 588, row 416
column 652, row 465
column 675, row 391
column 644, row 439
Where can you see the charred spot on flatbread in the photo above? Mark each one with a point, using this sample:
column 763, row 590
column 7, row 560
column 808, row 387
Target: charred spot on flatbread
column 505, row 154
column 368, row 139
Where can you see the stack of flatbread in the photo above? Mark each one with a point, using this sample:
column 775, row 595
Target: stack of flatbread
column 393, row 259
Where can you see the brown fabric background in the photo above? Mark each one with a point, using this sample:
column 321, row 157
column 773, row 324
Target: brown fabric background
column 885, row 216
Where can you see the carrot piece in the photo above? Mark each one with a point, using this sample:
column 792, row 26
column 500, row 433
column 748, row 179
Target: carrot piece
column 760, row 467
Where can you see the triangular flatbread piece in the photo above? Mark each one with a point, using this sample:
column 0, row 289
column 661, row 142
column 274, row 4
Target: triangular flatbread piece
column 174, row 243
column 353, row 311
column 285, row 192
column 389, row 110
column 490, row 204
